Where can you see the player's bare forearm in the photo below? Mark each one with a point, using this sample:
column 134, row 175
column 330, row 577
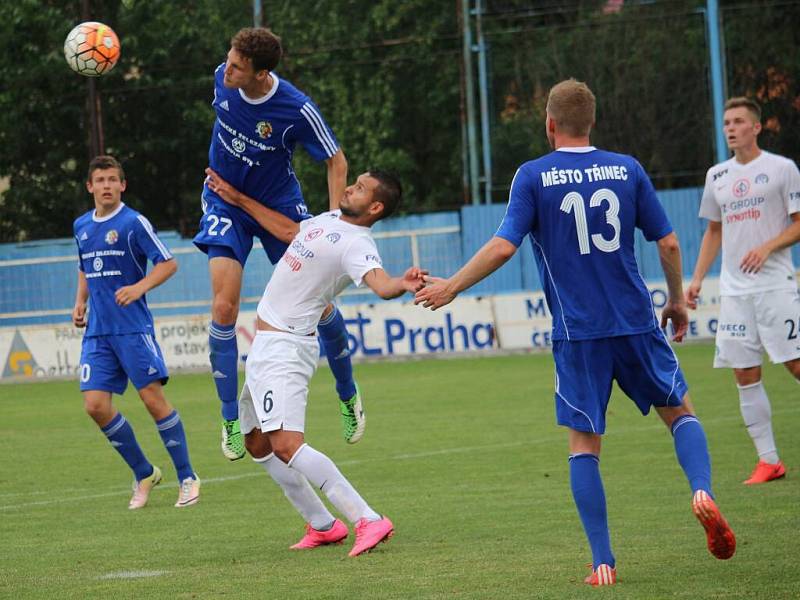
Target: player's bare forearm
column 388, row 287
column 337, row 178
column 279, row 225
column 669, row 251
column 709, row 248
column 494, row 254
column 81, row 297
column 161, row 272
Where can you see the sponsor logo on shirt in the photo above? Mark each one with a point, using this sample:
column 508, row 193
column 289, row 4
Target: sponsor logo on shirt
column 84, row 237
column 264, row 129
column 718, row 174
column 373, row 258
column 295, row 264
column 741, row 187
column 238, row 145
column 97, row 264
column 313, row 234
column 333, row 237
column 111, row 237
column 762, row 178
column 224, row 105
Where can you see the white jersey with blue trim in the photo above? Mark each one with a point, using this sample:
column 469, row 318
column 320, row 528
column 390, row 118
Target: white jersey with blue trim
column 113, row 252
column 325, row 257
column 581, row 207
column 253, row 140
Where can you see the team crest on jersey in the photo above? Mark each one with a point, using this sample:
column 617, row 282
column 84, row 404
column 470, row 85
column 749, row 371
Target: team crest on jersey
column 762, row 178
column 264, row 129
column 741, row 187
column 111, row 237
column 313, row 234
column 333, row 237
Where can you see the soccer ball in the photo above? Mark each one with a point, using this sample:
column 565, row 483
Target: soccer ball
column 92, row 49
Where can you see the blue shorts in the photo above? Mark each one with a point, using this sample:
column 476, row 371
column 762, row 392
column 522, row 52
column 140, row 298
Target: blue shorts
column 644, row 366
column 108, row 361
column 227, row 226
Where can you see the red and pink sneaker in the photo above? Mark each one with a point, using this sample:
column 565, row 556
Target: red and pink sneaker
column 719, row 535
column 314, row 538
column 765, row 472
column 371, row 533
column 602, row 575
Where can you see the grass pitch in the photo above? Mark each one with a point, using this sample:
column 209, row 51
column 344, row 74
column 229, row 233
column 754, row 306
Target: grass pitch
column 463, row 455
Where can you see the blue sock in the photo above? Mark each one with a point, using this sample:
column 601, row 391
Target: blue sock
column 171, row 431
column 120, row 434
column 692, row 450
column 333, row 335
column 590, row 498
column 224, row 357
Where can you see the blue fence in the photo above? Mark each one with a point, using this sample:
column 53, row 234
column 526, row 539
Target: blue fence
column 38, row 279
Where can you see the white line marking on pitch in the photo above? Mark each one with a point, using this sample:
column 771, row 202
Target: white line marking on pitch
column 132, row 574
column 543, row 440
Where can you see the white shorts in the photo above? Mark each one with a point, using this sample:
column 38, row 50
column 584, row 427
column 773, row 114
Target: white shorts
column 748, row 325
column 278, row 369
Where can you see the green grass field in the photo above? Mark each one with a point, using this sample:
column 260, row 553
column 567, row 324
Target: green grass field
column 463, row 455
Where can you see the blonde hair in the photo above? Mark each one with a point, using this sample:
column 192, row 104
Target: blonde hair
column 571, row 104
column 750, row 105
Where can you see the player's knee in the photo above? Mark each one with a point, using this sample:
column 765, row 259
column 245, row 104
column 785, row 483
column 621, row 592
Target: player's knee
column 747, row 376
column 98, row 409
column 224, row 311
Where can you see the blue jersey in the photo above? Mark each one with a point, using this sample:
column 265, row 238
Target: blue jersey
column 254, row 140
column 113, row 252
column 580, row 207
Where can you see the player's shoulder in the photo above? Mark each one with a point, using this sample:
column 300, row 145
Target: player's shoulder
column 289, row 94
column 778, row 160
column 719, row 171
column 83, row 220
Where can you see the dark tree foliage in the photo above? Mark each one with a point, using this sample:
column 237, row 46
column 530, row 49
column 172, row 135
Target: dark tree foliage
column 387, row 77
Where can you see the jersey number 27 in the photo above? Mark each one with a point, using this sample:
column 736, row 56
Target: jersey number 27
column 573, row 203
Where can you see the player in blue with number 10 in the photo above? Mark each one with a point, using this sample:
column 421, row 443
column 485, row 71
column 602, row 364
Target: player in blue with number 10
column 260, row 120
column 581, row 206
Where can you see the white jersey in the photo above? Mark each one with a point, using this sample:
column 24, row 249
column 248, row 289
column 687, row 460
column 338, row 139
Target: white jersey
column 325, row 257
column 753, row 202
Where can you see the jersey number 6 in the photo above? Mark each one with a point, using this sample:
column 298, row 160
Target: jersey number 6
column 214, row 221
column 573, row 202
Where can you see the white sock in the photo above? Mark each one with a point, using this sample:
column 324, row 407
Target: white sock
column 757, row 415
column 298, row 491
column 320, row 470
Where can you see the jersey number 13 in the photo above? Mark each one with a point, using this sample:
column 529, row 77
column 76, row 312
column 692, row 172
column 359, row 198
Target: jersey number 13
column 573, row 203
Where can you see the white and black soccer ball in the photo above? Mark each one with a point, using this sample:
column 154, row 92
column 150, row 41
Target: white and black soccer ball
column 92, row 49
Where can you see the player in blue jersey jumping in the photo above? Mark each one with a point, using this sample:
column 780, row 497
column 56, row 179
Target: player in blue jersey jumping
column 114, row 245
column 260, row 120
column 581, row 206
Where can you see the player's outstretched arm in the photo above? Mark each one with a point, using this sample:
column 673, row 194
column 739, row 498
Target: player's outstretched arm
column 81, row 296
column 337, row 178
column 494, row 254
column 159, row 274
column 388, row 287
column 281, row 226
column 755, row 258
column 709, row 248
column 669, row 251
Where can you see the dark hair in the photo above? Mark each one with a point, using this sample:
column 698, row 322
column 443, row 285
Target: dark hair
column 747, row 103
column 389, row 191
column 104, row 161
column 260, row 45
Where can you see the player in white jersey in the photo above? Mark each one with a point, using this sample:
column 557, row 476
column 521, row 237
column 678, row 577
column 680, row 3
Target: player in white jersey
column 752, row 203
column 325, row 255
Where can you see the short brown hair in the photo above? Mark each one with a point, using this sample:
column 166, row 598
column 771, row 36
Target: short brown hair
column 742, row 101
column 388, row 192
column 260, row 45
column 104, row 161
column 571, row 104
